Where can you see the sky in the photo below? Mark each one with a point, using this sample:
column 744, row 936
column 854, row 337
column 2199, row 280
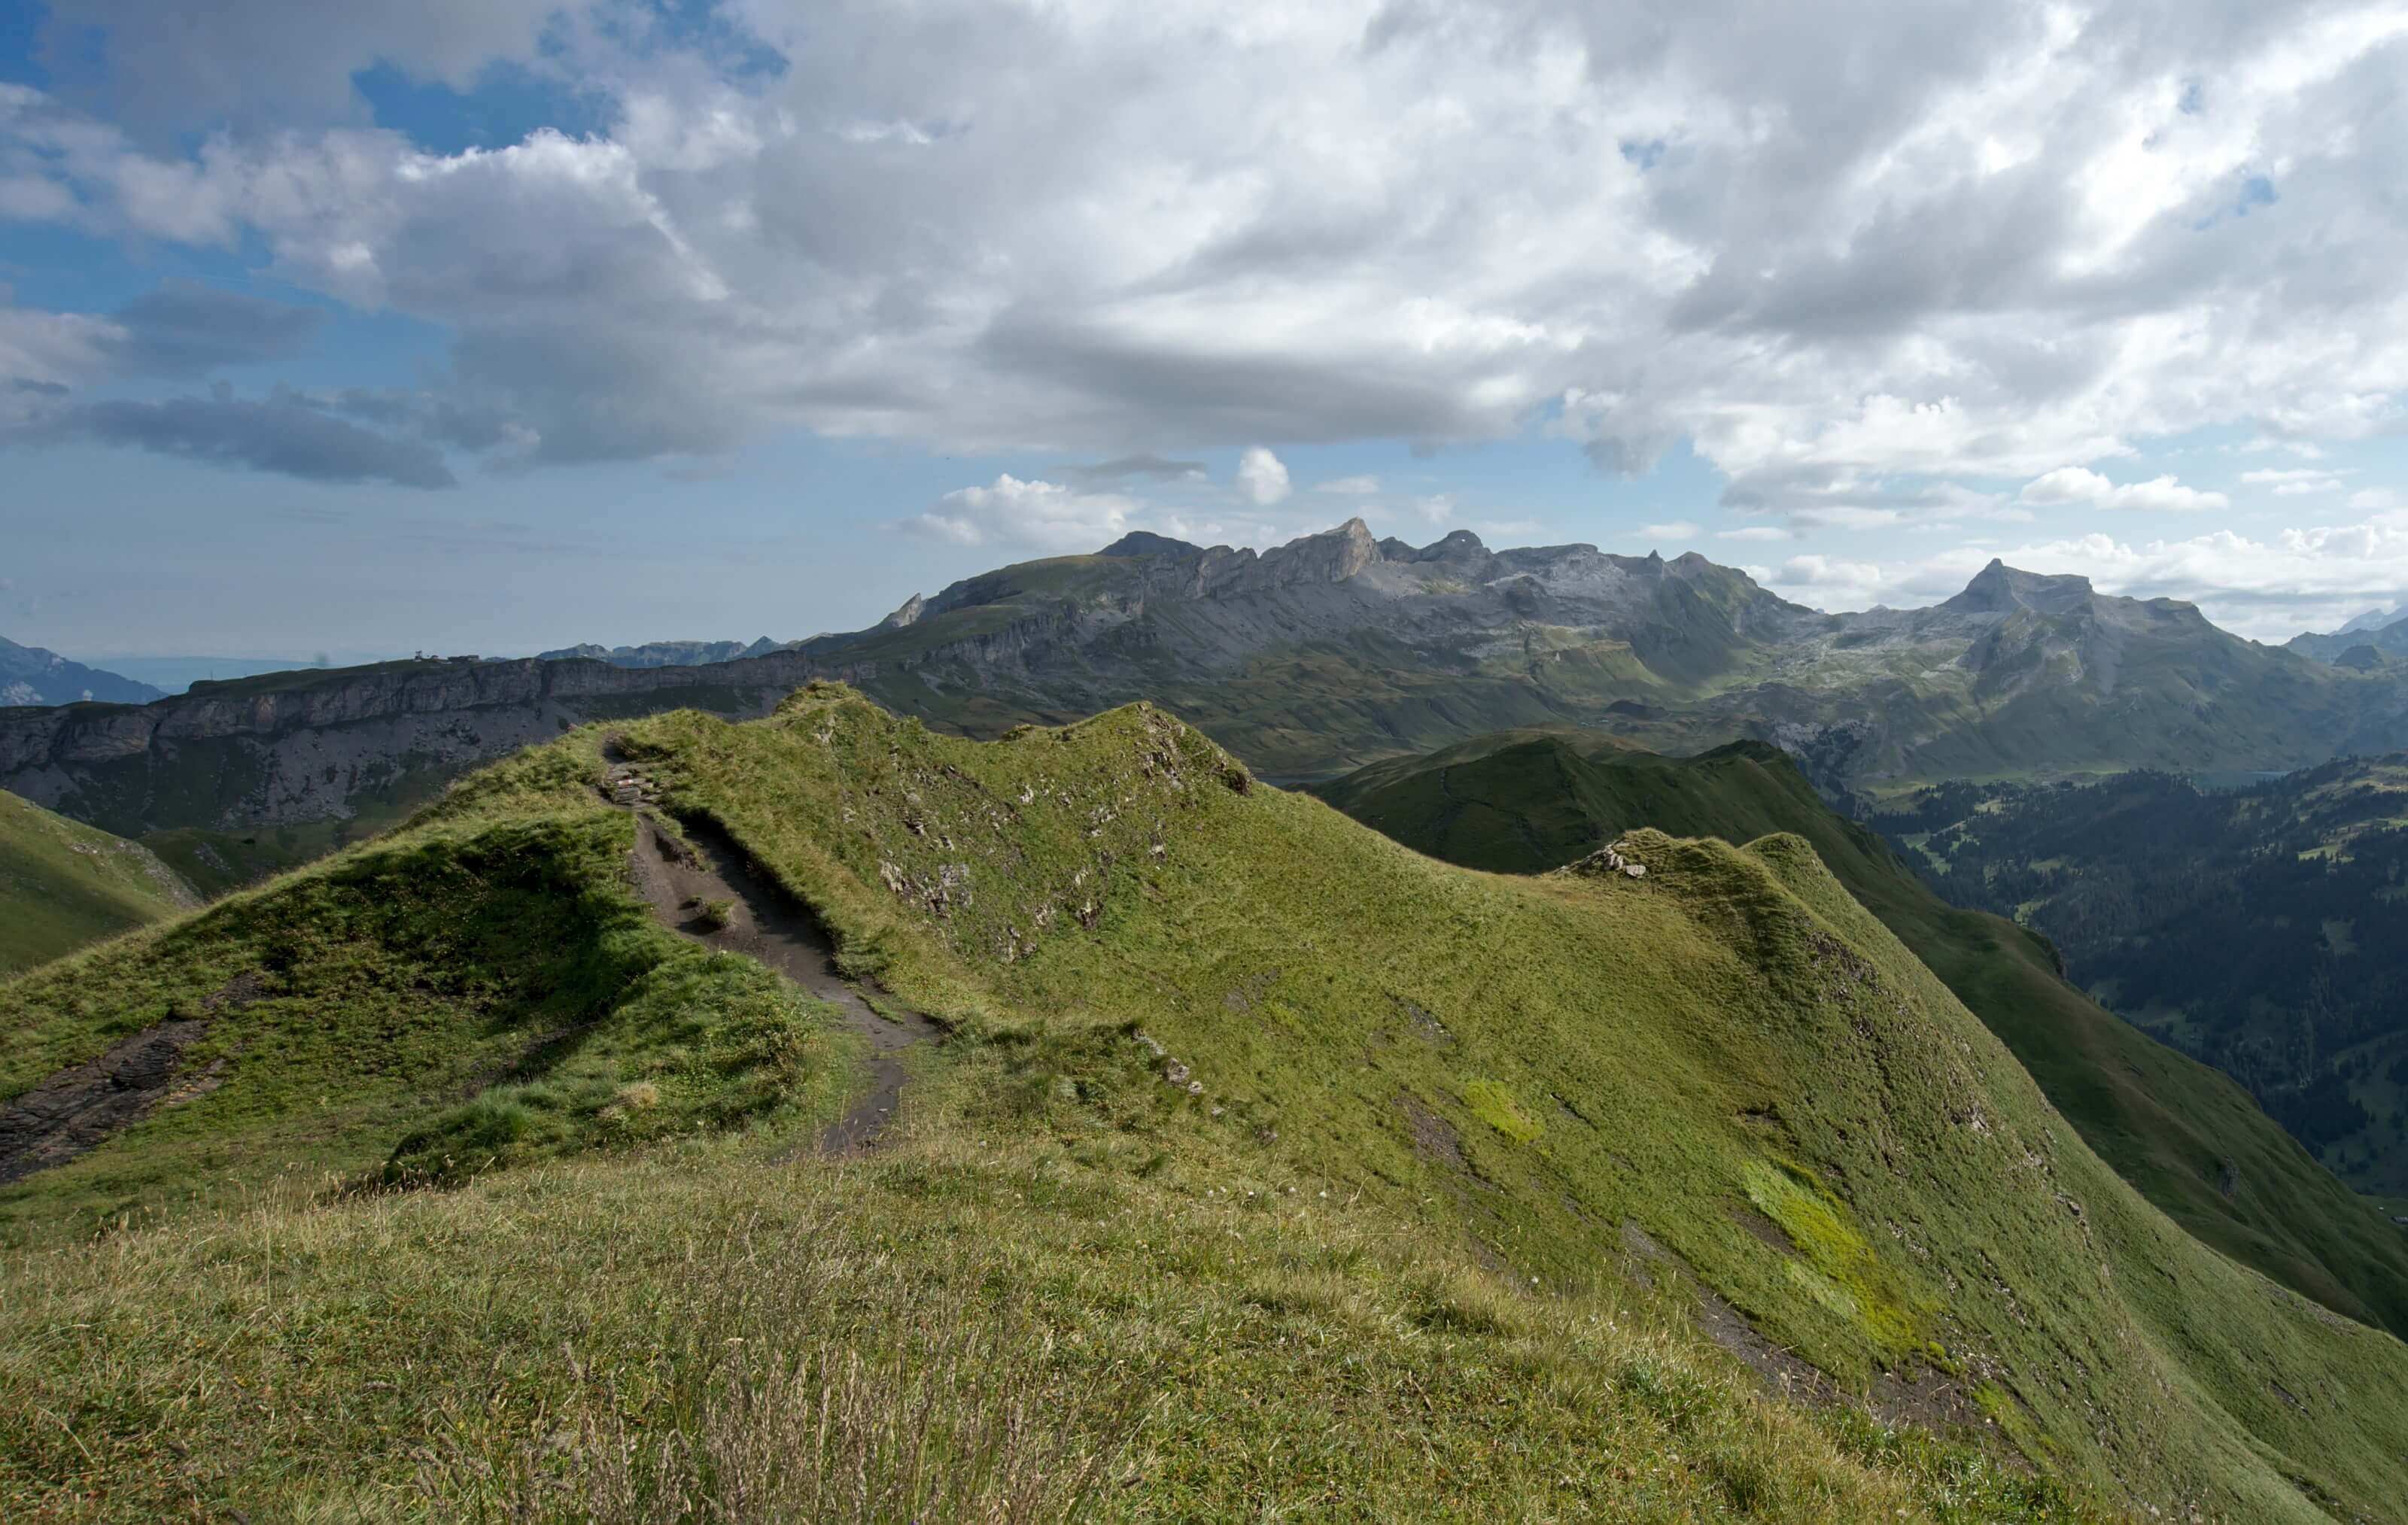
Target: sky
column 494, row 325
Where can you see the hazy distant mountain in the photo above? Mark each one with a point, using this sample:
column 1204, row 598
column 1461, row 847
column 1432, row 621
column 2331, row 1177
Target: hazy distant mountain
column 173, row 675
column 2388, row 634
column 31, row 676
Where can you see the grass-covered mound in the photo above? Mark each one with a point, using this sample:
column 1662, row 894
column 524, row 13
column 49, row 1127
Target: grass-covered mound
column 2194, row 1141
column 480, row 988
column 1273, row 1169
column 64, row 885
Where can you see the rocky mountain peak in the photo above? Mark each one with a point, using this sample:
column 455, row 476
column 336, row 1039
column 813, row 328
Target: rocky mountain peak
column 1459, row 544
column 2001, row 589
column 911, row 609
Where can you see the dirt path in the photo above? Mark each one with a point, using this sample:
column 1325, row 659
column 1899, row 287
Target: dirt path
column 763, row 923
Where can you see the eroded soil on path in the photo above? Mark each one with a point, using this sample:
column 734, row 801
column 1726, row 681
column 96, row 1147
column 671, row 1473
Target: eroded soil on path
column 683, row 879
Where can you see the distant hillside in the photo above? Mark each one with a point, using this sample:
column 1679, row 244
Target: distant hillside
column 31, row 676
column 2263, row 929
column 2194, row 1142
column 1269, row 1169
column 63, row 884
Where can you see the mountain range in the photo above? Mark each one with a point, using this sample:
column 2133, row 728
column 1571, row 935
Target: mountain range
column 1306, row 660
column 2386, row 635
column 31, row 676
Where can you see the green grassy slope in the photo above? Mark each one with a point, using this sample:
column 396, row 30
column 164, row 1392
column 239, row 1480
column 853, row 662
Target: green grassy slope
column 1361, row 1235
column 1730, row 1033
column 63, row 884
column 2192, row 1140
column 482, row 987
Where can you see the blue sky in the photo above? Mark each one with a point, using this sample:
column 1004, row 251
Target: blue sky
column 499, row 324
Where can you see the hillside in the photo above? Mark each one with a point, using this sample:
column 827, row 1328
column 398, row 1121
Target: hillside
column 2195, row 1143
column 31, row 676
column 1306, row 660
column 2257, row 928
column 1270, row 1168
column 63, row 884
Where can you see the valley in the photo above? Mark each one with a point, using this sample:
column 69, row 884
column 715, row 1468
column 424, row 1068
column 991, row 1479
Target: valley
column 2257, row 927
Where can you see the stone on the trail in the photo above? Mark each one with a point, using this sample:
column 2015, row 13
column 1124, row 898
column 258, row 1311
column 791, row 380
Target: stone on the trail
column 1637, row 871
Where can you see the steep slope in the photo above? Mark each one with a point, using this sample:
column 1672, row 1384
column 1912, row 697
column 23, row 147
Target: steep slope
column 2196, row 1144
column 31, row 676
column 1186, row 1006
column 63, row 884
column 2257, row 928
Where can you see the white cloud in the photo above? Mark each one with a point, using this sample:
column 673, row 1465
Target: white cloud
column 1261, row 476
column 2269, row 588
column 1350, row 486
column 1672, row 530
column 1756, row 532
column 1045, row 516
column 2080, row 485
column 2004, row 248
column 2295, row 484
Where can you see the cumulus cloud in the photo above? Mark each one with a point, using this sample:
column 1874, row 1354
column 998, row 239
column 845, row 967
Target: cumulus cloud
column 1042, row 515
column 2080, row 485
column 1262, row 476
column 2012, row 243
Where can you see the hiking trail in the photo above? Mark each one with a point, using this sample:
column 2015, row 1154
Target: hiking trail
column 680, row 880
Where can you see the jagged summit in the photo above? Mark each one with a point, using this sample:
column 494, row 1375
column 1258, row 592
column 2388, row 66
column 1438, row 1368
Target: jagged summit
column 2001, row 589
column 907, row 613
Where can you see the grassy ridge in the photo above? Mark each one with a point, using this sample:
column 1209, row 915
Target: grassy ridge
column 2192, row 1140
column 63, row 884
column 1360, row 1233
column 1731, row 1032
